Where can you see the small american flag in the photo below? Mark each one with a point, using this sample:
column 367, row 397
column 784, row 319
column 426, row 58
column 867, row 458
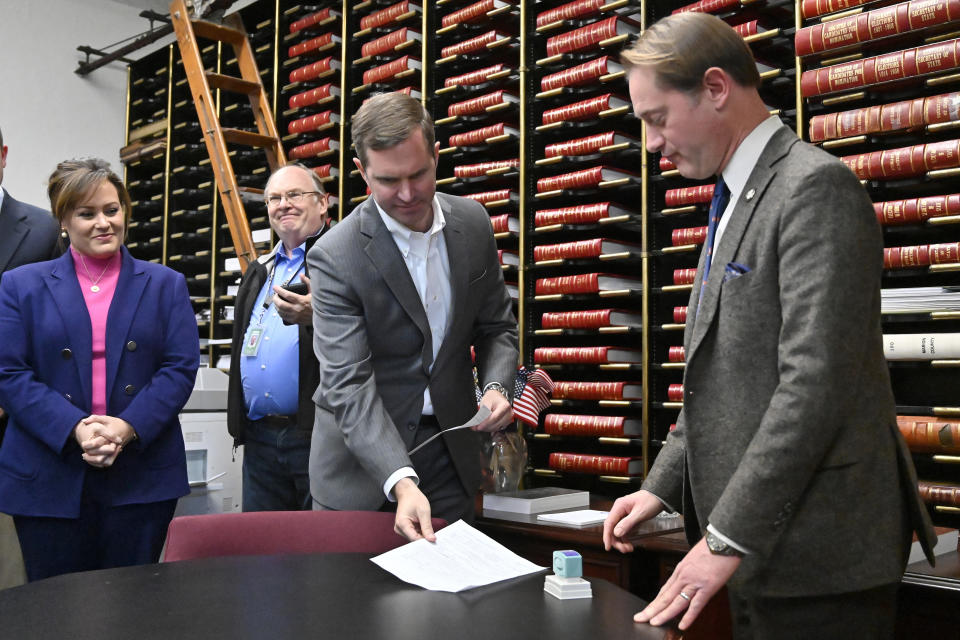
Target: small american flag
column 534, row 397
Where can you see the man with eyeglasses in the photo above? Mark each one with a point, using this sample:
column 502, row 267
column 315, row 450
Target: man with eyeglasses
column 273, row 372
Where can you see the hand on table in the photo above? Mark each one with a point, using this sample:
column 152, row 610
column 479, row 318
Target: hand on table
column 627, row 512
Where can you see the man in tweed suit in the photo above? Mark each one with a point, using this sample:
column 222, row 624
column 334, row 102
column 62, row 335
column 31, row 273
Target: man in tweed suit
column 402, row 288
column 796, row 488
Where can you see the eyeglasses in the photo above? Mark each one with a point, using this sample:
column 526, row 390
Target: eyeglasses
column 293, row 197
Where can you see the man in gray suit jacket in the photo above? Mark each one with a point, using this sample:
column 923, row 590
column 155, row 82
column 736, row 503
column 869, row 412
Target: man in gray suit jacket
column 402, row 288
column 796, row 488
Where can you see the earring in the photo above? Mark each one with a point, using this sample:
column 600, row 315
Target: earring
column 63, row 233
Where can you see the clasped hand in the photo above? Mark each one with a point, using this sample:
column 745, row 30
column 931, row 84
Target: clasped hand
column 102, row 438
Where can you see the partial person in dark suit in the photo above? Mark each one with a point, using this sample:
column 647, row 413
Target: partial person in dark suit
column 273, row 372
column 796, row 487
column 27, row 234
column 402, row 288
column 98, row 357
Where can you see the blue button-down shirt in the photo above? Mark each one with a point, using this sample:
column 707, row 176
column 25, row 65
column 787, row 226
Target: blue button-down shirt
column 271, row 378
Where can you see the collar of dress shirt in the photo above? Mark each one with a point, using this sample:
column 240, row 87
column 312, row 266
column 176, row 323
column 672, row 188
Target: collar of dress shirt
column 744, row 159
column 402, row 235
column 2, row 193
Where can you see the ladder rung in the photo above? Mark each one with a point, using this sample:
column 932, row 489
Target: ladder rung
column 214, row 31
column 248, row 138
column 250, row 194
column 230, row 83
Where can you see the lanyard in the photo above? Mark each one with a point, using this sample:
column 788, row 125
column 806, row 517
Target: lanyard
column 268, row 297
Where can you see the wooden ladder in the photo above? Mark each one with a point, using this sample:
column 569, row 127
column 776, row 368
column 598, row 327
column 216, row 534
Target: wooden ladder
column 215, row 136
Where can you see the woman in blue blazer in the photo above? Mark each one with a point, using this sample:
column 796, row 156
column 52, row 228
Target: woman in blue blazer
column 98, row 356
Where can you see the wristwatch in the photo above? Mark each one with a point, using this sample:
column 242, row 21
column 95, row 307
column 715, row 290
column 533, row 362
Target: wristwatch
column 720, row 548
column 498, row 387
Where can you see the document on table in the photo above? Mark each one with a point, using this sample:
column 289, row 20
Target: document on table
column 580, row 518
column 461, row 558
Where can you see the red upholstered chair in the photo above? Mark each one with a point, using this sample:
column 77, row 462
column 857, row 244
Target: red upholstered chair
column 274, row 532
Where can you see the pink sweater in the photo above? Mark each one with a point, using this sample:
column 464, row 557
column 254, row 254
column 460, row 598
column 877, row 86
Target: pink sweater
column 98, row 306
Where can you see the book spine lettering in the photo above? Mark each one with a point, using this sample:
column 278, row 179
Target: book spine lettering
column 382, row 17
column 583, row 37
column 690, row 235
column 569, row 10
column 582, row 463
column 684, row 276
column 474, row 77
column 384, row 43
column 577, row 249
column 477, row 136
column 309, row 21
column 468, row 13
column 580, row 425
column 580, row 283
column 580, row 146
column 475, row 105
column 575, row 76
column 579, row 214
column 576, row 180
column 575, row 319
column 473, row 44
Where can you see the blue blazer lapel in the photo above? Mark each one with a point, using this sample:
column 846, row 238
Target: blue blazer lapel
column 761, row 176
column 131, row 284
column 383, row 252
column 68, row 300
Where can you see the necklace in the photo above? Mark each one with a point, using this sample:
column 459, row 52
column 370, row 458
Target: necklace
column 93, row 283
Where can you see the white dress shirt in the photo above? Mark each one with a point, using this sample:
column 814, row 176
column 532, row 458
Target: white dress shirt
column 425, row 255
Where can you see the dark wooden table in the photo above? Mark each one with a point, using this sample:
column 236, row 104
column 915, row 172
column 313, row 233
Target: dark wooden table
column 659, row 545
column 304, row 596
column 929, row 600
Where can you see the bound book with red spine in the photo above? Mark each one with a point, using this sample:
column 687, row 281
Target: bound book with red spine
column 490, row 196
column 473, row 77
column 508, row 258
column 937, row 494
column 312, row 96
column 578, row 214
column 814, row 8
column 874, row 25
column 909, row 63
column 480, row 103
column 313, row 43
column 916, row 210
column 684, row 276
column 588, row 144
column 312, row 149
column 586, row 283
column 930, row 435
column 477, row 43
column 389, row 42
column 589, row 36
column 504, row 223
column 472, row 13
column 676, row 354
column 707, row 6
column 480, row 136
column 314, row 69
column 921, row 255
column 597, row 391
column 597, row 465
column 312, row 123
column 387, row 15
column 895, row 116
column 593, row 319
column 584, row 109
column 312, row 19
column 326, row 171
column 576, row 9
column 688, row 195
column 689, row 235
column 583, row 179
column 581, row 74
column 747, row 29
column 666, row 165
column 905, row 161
column 592, row 248
column 390, row 69
column 585, row 355
column 675, row 393
column 563, row 424
column 481, row 168
column 680, row 315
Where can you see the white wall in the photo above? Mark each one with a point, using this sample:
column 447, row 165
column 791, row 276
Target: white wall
column 47, row 112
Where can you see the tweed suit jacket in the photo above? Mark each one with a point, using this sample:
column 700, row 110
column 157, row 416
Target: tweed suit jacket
column 372, row 340
column 787, row 442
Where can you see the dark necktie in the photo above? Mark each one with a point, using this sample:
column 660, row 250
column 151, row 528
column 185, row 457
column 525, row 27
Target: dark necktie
column 721, row 197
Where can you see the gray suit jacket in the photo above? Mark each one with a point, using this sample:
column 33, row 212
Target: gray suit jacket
column 372, row 341
column 787, row 441
column 27, row 234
